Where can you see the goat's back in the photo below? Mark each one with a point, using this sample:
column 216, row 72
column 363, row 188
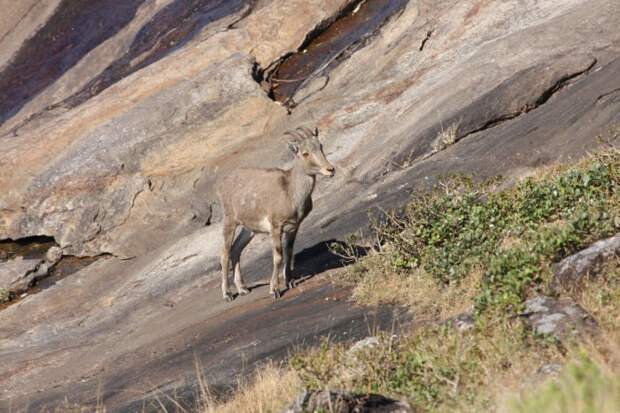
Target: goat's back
column 249, row 195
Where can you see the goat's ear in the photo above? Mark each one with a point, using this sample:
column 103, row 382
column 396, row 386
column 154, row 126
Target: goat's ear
column 293, row 146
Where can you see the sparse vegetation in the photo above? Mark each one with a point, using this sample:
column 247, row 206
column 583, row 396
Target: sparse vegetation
column 436, row 368
column 5, row 295
column 446, row 137
column 268, row 390
column 501, row 241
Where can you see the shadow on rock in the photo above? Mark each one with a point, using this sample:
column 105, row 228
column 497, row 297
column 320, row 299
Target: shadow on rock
column 322, row 257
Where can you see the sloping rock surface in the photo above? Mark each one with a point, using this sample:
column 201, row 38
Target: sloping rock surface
column 115, row 120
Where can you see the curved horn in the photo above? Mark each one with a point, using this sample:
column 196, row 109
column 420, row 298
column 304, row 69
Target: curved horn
column 305, row 131
column 294, row 134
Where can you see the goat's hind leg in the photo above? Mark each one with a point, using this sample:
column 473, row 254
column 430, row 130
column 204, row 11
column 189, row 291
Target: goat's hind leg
column 242, row 240
column 228, row 231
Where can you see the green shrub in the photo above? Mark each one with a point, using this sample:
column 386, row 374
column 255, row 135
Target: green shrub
column 461, row 225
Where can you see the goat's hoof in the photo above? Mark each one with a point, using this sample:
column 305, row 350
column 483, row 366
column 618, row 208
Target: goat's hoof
column 291, row 284
column 275, row 294
column 228, row 297
column 243, row 291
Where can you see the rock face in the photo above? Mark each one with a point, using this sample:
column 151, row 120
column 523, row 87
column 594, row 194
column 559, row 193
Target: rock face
column 116, row 119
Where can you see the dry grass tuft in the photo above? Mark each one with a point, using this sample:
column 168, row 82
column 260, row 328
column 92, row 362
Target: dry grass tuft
column 375, row 283
column 446, row 137
column 270, row 389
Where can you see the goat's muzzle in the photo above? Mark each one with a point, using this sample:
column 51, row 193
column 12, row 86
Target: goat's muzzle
column 329, row 171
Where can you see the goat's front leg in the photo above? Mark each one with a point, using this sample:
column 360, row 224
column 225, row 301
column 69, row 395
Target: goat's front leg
column 276, row 241
column 289, row 257
column 228, row 230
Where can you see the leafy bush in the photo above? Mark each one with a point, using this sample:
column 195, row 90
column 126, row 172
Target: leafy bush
column 461, row 226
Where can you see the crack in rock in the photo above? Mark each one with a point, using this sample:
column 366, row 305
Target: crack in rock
column 470, row 120
column 331, row 41
column 544, row 98
column 425, row 40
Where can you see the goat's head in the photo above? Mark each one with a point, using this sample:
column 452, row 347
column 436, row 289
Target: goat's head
column 307, row 147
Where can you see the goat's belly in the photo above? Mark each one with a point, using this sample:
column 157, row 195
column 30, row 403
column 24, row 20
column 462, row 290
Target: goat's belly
column 261, row 225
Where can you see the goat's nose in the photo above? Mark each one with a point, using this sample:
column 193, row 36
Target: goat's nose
column 330, row 169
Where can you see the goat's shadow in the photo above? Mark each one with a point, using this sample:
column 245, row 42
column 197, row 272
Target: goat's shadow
column 317, row 259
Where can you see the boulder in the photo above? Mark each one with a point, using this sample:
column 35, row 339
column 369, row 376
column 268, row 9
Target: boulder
column 53, row 255
column 345, row 402
column 368, row 342
column 462, row 322
column 571, row 271
column 560, row 318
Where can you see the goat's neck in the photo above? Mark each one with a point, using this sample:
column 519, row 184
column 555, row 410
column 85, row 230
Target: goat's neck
column 301, row 183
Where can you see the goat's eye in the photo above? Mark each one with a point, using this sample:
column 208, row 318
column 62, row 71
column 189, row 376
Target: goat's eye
column 305, row 154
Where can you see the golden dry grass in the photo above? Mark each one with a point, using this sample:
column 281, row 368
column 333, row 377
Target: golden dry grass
column 446, row 137
column 269, row 390
column 376, row 283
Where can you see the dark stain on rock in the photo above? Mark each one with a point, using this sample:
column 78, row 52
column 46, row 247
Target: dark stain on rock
column 76, row 28
column 69, row 264
column 28, row 247
column 168, row 30
column 60, row 45
column 327, row 45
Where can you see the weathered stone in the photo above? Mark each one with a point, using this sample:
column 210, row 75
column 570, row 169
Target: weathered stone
column 569, row 272
column 560, row 318
column 368, row 342
column 463, row 322
column 345, row 402
column 552, row 369
column 18, row 274
column 355, row 361
column 53, row 255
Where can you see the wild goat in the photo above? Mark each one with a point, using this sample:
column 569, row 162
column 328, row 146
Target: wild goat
column 273, row 201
